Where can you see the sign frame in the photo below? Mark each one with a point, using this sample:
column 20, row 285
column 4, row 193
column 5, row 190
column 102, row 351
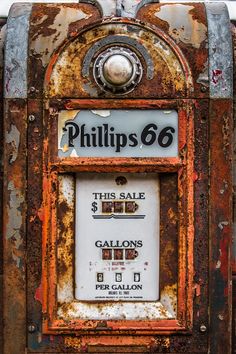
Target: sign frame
column 181, row 165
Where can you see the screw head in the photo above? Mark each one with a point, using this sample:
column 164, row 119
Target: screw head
column 203, row 328
column 31, row 328
column 31, row 117
column 203, row 89
column 32, row 89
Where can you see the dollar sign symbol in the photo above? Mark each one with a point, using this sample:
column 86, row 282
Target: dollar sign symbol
column 94, row 207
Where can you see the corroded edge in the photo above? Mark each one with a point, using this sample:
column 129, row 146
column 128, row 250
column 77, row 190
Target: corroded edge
column 220, row 51
column 16, row 51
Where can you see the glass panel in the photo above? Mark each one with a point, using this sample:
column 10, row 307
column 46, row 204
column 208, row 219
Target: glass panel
column 118, row 133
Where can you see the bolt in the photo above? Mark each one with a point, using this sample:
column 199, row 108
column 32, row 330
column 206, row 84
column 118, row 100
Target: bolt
column 31, row 117
column 203, row 328
column 32, row 89
column 203, row 89
column 31, row 328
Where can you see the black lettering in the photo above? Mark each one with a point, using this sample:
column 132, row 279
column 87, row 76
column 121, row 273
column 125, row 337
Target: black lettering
column 121, row 141
column 106, row 135
column 84, row 136
column 133, row 139
column 139, row 243
column 73, row 132
column 100, row 137
column 112, row 136
column 165, row 137
column 148, row 135
column 94, row 137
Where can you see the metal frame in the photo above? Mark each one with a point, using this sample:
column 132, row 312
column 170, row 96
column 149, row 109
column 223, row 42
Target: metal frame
column 183, row 166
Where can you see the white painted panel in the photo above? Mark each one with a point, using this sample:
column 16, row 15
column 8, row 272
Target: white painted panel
column 117, row 237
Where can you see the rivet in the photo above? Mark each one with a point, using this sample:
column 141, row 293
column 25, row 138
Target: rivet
column 31, row 328
column 31, row 117
column 203, row 89
column 32, row 89
column 203, row 328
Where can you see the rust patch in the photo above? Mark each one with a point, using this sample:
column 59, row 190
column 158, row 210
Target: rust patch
column 189, row 30
column 65, row 242
column 50, row 26
column 169, row 298
column 172, row 77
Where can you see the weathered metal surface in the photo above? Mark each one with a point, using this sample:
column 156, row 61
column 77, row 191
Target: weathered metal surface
column 108, row 7
column 168, row 280
column 201, row 210
column 65, row 249
column 186, row 24
column 2, row 37
column 220, row 51
column 16, row 49
column 221, row 128
column 51, row 25
column 233, row 31
column 184, row 283
column 129, row 8
column 34, row 227
column 14, row 215
column 63, row 79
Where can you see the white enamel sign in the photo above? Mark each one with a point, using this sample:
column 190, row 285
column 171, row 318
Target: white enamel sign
column 118, row 133
column 117, row 237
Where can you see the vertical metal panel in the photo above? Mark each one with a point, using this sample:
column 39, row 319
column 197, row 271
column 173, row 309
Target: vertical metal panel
column 16, row 51
column 14, row 218
column 233, row 28
column 220, row 225
column 2, row 36
column 220, row 51
column 34, row 225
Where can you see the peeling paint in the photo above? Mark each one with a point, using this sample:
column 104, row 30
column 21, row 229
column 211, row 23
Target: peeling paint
column 182, row 25
column 222, row 224
column 167, row 77
column 169, row 299
column 15, row 72
column 63, row 118
column 13, row 138
column 102, row 113
column 114, row 311
column 108, row 7
column 203, row 78
column 220, row 51
column 128, row 8
column 45, row 45
column 14, row 225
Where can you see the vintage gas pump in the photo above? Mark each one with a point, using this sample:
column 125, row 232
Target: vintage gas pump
column 117, row 212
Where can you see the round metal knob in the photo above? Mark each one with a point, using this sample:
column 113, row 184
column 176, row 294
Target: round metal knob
column 117, row 69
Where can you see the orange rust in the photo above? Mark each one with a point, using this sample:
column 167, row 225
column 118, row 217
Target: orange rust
column 185, row 170
column 50, row 67
column 64, row 78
